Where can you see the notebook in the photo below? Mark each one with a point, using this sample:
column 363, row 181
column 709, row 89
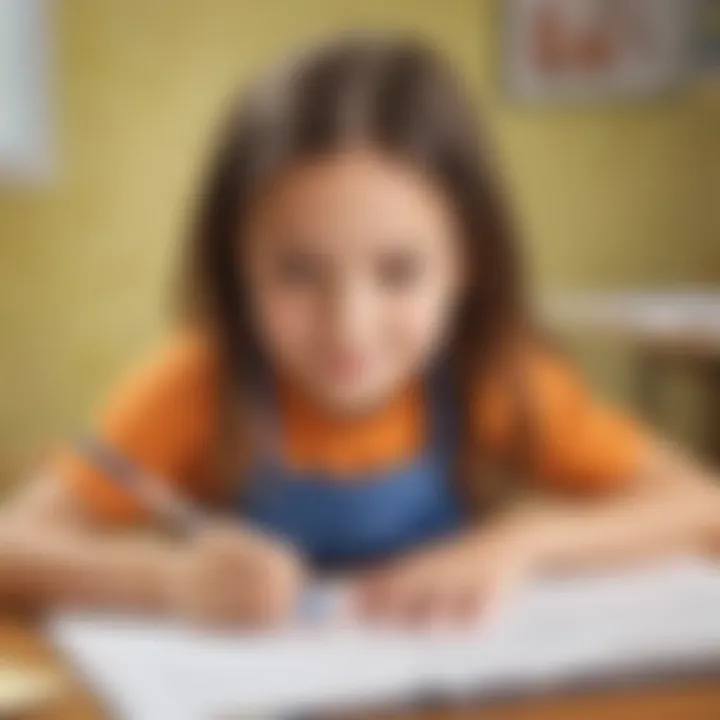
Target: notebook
column 556, row 634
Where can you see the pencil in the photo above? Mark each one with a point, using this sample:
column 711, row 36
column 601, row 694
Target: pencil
column 155, row 495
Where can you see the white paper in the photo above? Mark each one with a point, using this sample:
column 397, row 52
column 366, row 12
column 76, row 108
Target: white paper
column 556, row 633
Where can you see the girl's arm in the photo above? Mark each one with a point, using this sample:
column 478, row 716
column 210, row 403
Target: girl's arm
column 55, row 543
column 52, row 554
column 671, row 507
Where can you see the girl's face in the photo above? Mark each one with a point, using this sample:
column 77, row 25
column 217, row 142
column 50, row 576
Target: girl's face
column 354, row 266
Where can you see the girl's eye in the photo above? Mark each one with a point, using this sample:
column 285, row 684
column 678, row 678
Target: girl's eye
column 400, row 271
column 297, row 270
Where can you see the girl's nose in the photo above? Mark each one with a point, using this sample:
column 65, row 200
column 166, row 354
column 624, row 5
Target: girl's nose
column 352, row 312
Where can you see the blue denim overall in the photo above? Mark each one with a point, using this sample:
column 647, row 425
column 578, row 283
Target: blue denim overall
column 338, row 522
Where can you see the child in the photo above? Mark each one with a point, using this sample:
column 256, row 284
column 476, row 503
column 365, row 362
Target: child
column 356, row 384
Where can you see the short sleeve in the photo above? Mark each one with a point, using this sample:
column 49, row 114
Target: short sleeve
column 160, row 416
column 576, row 443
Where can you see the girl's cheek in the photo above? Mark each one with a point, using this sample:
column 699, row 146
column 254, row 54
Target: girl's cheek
column 286, row 323
column 419, row 324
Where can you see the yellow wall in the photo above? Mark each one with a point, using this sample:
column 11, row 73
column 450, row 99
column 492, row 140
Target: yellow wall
column 607, row 195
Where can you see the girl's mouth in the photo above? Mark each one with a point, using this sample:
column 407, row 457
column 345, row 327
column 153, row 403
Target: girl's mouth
column 346, row 366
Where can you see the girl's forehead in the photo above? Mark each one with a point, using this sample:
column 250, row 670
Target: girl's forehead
column 361, row 188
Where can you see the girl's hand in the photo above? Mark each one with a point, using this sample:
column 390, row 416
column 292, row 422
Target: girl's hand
column 230, row 575
column 456, row 581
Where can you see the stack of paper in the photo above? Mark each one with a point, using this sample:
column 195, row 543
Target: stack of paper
column 556, row 633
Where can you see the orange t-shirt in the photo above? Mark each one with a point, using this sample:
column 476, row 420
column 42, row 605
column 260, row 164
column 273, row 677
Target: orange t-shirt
column 163, row 417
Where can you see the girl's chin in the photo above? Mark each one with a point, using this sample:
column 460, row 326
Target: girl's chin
column 352, row 398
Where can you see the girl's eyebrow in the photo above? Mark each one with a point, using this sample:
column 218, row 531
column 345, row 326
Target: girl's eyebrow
column 301, row 248
column 294, row 238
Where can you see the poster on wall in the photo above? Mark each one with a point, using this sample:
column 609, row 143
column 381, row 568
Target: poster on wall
column 594, row 50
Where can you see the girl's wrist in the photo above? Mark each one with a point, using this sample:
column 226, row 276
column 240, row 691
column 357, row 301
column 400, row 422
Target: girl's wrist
column 146, row 581
column 536, row 537
column 511, row 539
column 110, row 573
column 169, row 565
column 711, row 536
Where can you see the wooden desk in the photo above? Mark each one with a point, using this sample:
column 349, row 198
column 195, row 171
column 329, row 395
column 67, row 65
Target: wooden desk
column 20, row 641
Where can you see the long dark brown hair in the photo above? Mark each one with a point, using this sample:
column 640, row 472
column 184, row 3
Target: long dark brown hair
column 395, row 95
